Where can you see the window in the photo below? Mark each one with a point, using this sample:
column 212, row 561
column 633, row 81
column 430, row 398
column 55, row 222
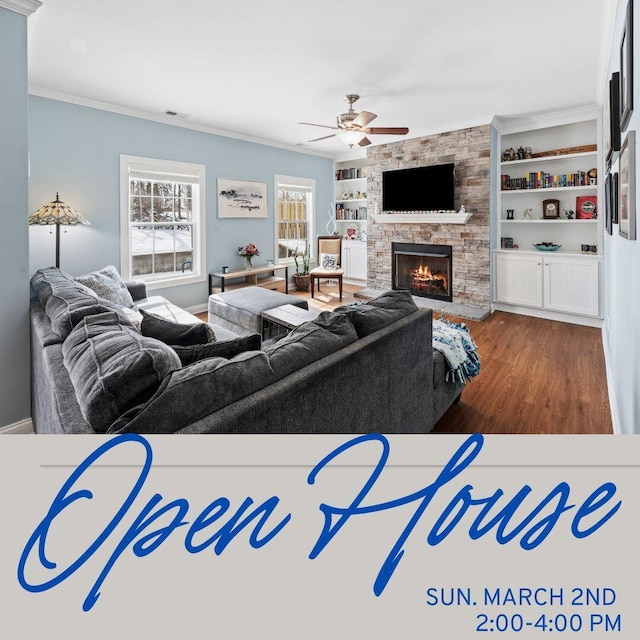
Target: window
column 295, row 198
column 162, row 221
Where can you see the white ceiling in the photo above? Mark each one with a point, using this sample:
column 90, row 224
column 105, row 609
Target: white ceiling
column 258, row 67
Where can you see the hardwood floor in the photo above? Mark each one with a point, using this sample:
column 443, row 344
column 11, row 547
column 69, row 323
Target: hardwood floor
column 537, row 376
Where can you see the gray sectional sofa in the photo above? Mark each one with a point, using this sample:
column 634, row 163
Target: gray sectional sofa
column 367, row 368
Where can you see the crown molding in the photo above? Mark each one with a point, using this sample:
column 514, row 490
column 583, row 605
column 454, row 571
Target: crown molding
column 543, row 119
column 175, row 122
column 25, row 7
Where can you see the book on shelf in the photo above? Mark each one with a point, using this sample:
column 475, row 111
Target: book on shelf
column 345, row 213
column 542, row 180
column 351, row 173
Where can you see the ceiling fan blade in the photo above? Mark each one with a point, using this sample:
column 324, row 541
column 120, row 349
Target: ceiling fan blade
column 311, row 124
column 333, row 135
column 396, row 131
column 364, row 142
column 364, row 118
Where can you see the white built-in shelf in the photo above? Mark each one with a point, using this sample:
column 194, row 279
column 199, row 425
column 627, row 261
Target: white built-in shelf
column 550, row 221
column 352, row 200
column 590, row 187
column 421, row 218
column 352, row 179
column 585, row 154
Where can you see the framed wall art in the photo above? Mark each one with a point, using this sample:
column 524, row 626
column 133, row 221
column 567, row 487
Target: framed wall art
column 611, row 123
column 627, row 188
column 242, row 199
column 614, row 198
column 626, row 68
column 608, row 203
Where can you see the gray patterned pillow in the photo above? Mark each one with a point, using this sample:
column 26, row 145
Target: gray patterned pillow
column 108, row 284
column 329, row 260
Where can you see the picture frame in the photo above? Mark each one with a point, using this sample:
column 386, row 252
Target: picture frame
column 614, row 198
column 611, row 124
column 627, row 187
column 608, row 201
column 626, row 69
column 241, row 199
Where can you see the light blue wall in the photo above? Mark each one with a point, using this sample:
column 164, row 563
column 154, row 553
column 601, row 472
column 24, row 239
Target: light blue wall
column 622, row 277
column 14, row 239
column 75, row 150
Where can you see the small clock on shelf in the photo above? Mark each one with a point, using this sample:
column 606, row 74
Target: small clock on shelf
column 550, row 209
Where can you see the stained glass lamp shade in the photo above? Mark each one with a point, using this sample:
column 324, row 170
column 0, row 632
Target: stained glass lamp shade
column 57, row 213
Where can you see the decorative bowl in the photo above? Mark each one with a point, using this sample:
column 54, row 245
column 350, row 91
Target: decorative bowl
column 547, row 246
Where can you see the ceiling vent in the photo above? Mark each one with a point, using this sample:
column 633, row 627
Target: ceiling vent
column 176, row 114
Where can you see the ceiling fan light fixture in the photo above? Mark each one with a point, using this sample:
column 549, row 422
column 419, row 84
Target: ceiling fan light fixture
column 350, row 136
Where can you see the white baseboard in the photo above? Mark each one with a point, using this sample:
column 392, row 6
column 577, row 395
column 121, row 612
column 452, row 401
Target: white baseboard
column 24, row 426
column 613, row 405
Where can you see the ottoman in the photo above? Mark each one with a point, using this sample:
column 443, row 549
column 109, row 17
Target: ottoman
column 241, row 310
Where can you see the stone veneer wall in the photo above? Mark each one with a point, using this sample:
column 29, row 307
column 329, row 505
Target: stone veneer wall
column 469, row 150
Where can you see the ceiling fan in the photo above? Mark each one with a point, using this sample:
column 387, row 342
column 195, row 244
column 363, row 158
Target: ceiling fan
column 352, row 126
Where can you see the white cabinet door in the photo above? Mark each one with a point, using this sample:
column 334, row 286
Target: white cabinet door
column 519, row 279
column 571, row 285
column 354, row 260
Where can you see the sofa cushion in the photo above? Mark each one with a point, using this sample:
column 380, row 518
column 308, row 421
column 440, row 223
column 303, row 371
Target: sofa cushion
column 108, row 284
column 310, row 342
column 45, row 281
column 175, row 333
column 66, row 307
column 113, row 368
column 190, row 393
column 227, row 349
column 375, row 314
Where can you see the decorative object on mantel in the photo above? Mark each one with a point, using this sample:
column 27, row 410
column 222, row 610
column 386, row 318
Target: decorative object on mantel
column 569, row 213
column 528, row 213
column 248, row 252
column 421, row 217
column 57, row 213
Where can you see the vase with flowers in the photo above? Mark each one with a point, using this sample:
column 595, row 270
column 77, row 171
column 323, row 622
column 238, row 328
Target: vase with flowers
column 248, row 252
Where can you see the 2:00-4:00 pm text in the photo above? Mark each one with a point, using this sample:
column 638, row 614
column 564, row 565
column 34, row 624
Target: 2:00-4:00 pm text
column 571, row 619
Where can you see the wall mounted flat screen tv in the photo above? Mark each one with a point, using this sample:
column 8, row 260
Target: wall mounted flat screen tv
column 419, row 189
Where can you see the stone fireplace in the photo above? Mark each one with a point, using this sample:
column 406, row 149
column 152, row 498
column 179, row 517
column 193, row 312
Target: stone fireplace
column 469, row 150
column 423, row 269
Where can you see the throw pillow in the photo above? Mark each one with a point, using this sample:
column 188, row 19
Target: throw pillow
column 67, row 306
column 174, row 333
column 227, row 349
column 309, row 342
column 328, row 260
column 113, row 368
column 108, row 284
column 375, row 314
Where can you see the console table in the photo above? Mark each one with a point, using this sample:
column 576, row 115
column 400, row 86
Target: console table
column 251, row 279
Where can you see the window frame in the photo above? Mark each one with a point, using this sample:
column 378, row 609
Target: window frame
column 155, row 165
column 293, row 181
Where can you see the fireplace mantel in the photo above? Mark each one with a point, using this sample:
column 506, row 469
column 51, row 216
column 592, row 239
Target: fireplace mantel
column 421, row 218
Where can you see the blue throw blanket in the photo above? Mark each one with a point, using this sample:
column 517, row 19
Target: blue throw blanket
column 455, row 343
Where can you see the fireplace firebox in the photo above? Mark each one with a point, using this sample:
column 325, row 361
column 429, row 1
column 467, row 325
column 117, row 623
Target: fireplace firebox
column 424, row 269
